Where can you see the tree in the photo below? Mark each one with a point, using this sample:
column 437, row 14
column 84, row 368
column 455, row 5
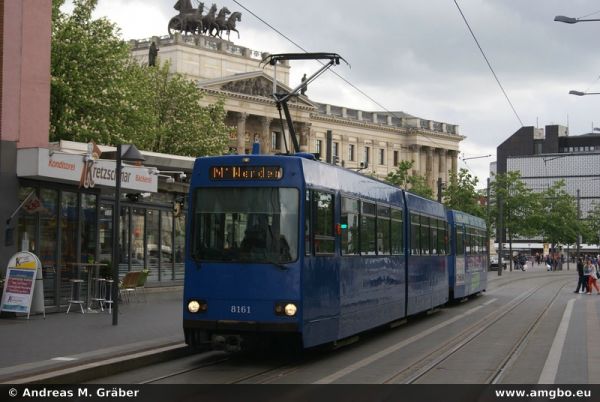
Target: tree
column 591, row 229
column 179, row 124
column 89, row 87
column 559, row 221
column 99, row 93
column 403, row 178
column 461, row 193
column 521, row 207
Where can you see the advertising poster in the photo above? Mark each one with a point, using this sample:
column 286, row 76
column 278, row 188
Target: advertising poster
column 20, row 282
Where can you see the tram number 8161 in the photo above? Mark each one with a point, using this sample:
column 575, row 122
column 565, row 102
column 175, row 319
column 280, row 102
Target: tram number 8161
column 240, row 309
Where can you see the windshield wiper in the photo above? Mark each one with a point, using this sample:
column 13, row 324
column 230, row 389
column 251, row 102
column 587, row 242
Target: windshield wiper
column 278, row 265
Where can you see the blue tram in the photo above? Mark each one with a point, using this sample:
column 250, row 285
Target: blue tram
column 287, row 245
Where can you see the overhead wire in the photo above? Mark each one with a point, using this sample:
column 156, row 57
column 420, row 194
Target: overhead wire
column 433, row 141
column 592, row 84
column 488, row 63
column 587, row 15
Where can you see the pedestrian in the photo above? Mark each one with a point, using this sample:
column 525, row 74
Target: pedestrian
column 581, row 282
column 591, row 277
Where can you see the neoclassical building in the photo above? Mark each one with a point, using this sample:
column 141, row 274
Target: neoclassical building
column 351, row 137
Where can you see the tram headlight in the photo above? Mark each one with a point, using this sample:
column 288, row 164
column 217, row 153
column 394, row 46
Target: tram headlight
column 197, row 306
column 288, row 309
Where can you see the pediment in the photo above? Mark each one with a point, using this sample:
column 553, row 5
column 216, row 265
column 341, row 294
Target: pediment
column 257, row 84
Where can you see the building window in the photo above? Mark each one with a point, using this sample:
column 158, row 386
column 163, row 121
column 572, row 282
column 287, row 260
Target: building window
column 275, row 140
column 367, row 154
column 396, row 156
column 382, row 156
column 318, row 146
column 351, row 152
column 336, row 148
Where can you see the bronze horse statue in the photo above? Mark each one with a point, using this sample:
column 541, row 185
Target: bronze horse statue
column 208, row 21
column 230, row 24
column 189, row 19
column 218, row 23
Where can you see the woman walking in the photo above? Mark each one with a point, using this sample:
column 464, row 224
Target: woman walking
column 592, row 277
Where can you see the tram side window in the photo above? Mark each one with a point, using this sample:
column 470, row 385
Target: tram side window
column 442, row 238
column 367, row 229
column 425, row 236
column 415, row 248
column 323, row 227
column 307, row 219
column 349, row 223
column 434, row 236
column 397, row 233
column 460, row 241
column 383, row 230
column 468, row 242
column 484, row 242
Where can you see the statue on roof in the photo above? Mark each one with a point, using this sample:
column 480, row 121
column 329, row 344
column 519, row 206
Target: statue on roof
column 191, row 21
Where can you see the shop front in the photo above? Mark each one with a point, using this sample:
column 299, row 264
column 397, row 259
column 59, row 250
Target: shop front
column 67, row 222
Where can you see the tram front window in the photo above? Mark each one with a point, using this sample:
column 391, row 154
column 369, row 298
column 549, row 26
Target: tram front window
column 245, row 224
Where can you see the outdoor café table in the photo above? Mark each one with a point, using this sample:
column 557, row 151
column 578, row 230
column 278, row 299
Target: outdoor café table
column 93, row 271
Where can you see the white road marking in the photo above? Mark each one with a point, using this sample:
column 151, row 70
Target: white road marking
column 64, row 359
column 548, row 375
column 366, row 361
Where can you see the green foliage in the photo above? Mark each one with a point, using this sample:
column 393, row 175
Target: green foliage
column 400, row 177
column 461, row 193
column 98, row 93
column 591, row 226
column 520, row 205
column 178, row 124
column 88, row 87
column 403, row 178
column 419, row 186
column 559, row 223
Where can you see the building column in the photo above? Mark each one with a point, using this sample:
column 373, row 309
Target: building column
column 454, row 161
column 429, row 167
column 435, row 173
column 265, row 135
column 241, row 133
column 444, row 165
column 416, row 158
column 304, row 134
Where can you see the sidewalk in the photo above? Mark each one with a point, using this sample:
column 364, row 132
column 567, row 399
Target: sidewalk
column 39, row 345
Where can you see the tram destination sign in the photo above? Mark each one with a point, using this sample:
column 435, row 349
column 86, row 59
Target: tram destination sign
column 246, row 172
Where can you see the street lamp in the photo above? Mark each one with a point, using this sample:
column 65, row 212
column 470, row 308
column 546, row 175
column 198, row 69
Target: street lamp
column 579, row 93
column 571, row 20
column 129, row 153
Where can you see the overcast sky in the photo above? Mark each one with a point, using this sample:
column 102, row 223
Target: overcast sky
column 418, row 57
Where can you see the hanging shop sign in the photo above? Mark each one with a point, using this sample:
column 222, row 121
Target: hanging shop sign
column 20, row 282
column 40, row 163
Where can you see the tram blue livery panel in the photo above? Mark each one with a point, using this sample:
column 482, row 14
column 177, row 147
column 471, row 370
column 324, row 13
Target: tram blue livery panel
column 286, row 246
column 468, row 261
